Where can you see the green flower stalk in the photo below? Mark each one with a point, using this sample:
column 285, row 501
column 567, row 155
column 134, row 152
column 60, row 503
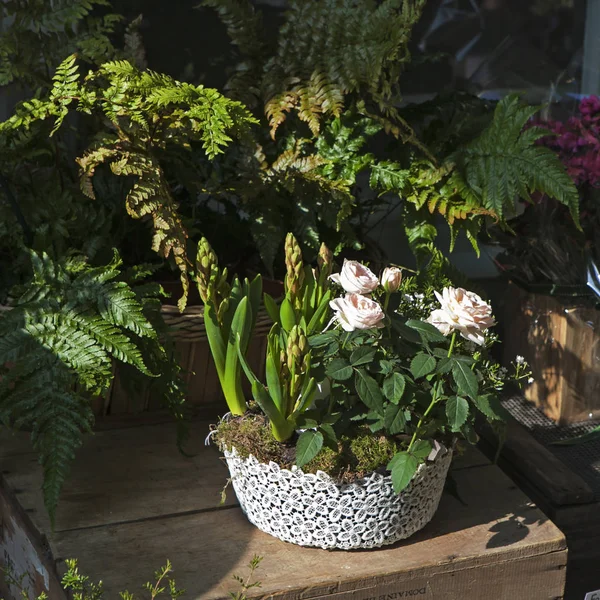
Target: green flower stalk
column 290, row 387
column 206, row 270
column 229, row 316
column 295, row 270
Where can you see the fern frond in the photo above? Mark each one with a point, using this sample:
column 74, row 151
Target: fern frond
column 61, row 338
column 504, row 163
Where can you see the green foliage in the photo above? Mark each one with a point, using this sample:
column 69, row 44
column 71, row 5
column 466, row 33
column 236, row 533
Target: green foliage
column 480, row 177
column 37, row 35
column 329, row 54
column 147, row 113
column 329, row 84
column 406, row 380
column 504, row 164
column 58, row 342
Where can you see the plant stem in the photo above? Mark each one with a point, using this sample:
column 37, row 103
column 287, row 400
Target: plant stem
column 434, row 399
column 386, row 302
column 452, row 342
column 346, row 340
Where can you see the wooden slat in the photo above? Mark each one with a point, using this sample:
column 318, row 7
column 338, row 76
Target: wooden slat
column 483, row 545
column 541, row 468
column 123, row 475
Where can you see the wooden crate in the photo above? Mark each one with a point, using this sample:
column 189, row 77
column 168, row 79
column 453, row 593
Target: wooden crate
column 132, row 501
column 562, row 346
column 563, row 496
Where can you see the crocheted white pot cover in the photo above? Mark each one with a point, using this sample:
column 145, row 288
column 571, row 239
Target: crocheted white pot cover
column 314, row 510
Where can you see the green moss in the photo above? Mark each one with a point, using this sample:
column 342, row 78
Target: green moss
column 358, row 454
column 249, row 434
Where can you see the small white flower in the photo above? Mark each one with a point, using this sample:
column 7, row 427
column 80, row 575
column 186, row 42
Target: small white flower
column 530, row 380
column 502, row 372
column 520, row 359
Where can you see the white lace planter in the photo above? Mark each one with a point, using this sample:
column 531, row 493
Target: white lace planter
column 315, row 510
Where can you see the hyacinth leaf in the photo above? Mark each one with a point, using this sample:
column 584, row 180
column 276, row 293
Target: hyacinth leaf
column 272, row 369
column 320, row 314
column 238, row 340
column 287, row 315
column 235, row 297
column 271, row 308
column 254, row 293
column 215, row 340
column 306, row 398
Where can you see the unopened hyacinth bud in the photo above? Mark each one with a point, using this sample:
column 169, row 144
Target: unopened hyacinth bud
column 295, row 269
column 325, row 261
column 206, row 267
column 297, row 346
column 391, row 278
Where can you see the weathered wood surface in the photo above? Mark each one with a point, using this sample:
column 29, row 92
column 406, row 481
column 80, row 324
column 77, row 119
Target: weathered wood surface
column 543, row 469
column 563, row 496
column 133, row 501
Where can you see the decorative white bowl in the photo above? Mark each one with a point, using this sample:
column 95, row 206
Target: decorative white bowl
column 315, row 510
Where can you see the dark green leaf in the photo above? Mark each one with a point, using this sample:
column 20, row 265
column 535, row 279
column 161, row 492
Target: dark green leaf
column 490, row 406
column 393, row 387
column 422, row 364
column 322, row 339
column 394, row 419
column 444, row 365
column 329, row 437
column 457, row 409
column 362, row 356
column 405, row 332
column 427, row 331
column 465, row 379
column 308, row 446
column 368, row 391
column 421, row 449
column 339, row 369
column 469, row 433
column 403, row 467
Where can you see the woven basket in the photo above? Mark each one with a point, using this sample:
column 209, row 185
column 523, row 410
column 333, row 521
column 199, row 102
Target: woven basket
column 189, row 325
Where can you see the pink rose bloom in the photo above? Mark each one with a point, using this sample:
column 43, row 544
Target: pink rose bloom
column 464, row 312
column 355, row 278
column 354, row 311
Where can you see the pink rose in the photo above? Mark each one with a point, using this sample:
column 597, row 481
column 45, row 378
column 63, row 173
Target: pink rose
column 462, row 311
column 355, row 278
column 354, row 311
column 391, row 278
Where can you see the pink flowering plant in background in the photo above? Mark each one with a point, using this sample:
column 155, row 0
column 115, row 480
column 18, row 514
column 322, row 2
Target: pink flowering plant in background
column 577, row 142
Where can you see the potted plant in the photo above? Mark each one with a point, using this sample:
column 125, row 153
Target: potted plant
column 551, row 261
column 369, row 382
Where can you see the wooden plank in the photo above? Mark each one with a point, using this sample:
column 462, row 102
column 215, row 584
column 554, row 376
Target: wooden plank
column 497, row 539
column 24, row 553
column 559, row 345
column 468, row 456
column 542, row 468
column 123, row 475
